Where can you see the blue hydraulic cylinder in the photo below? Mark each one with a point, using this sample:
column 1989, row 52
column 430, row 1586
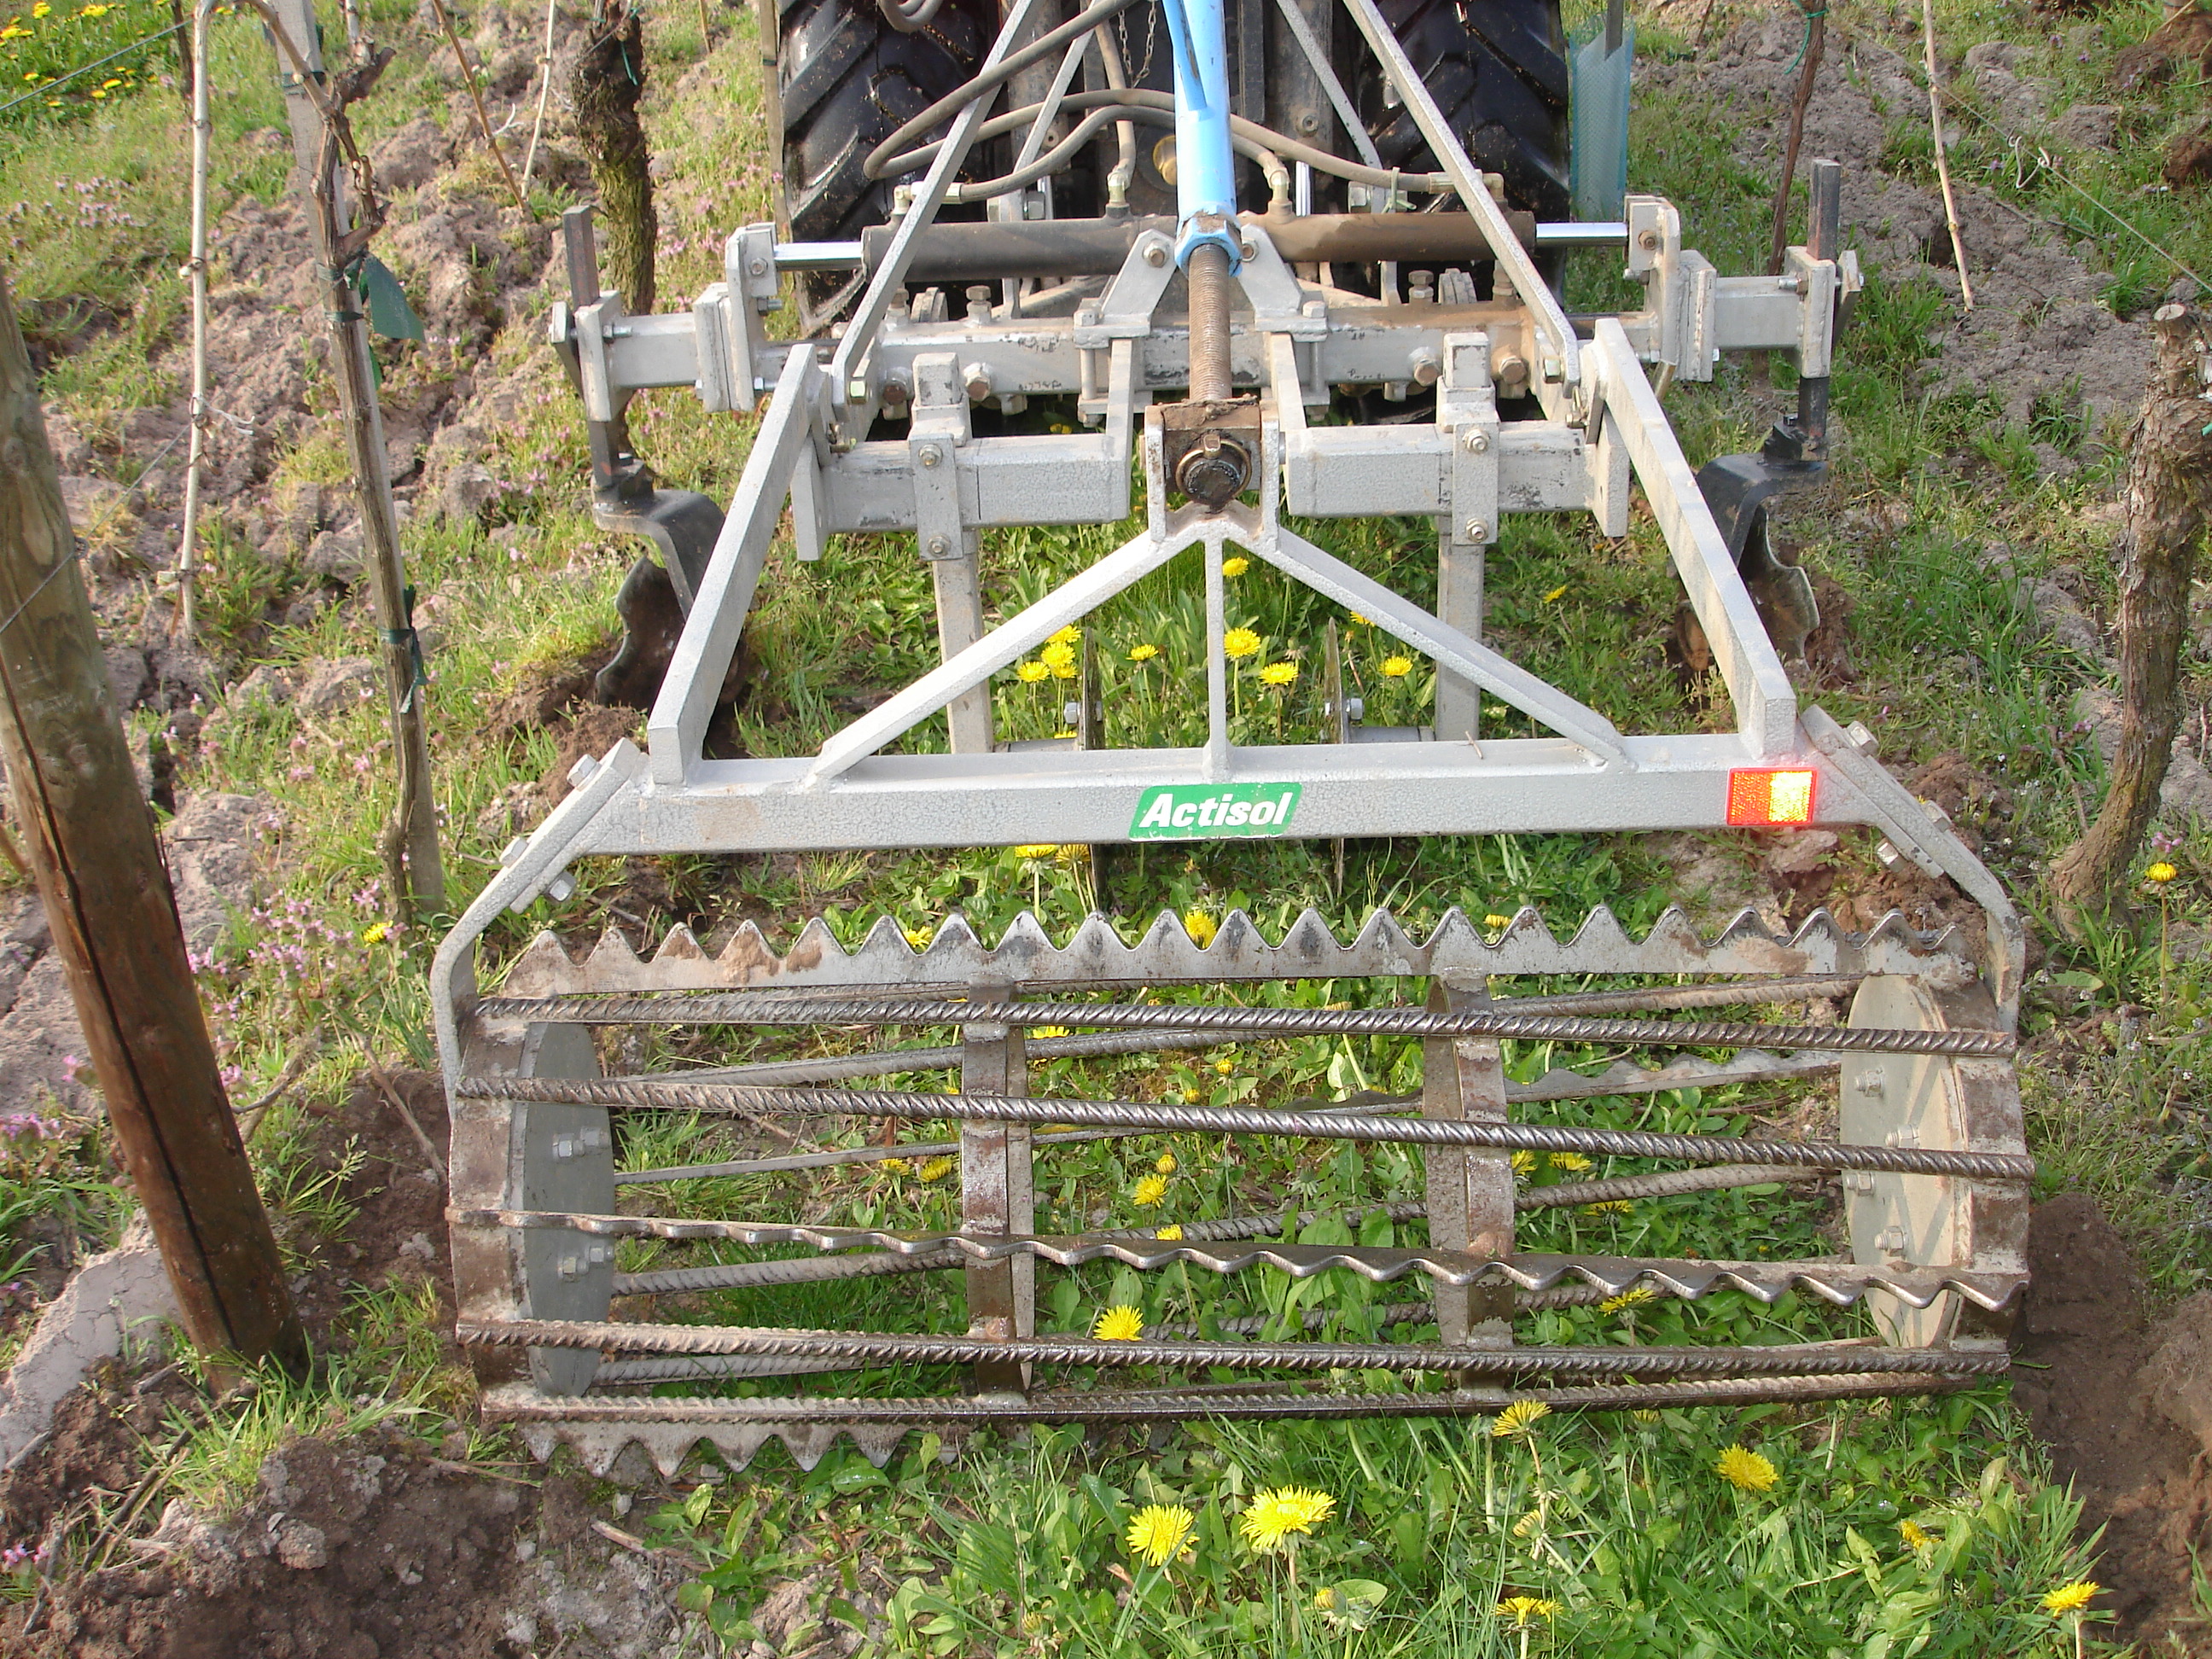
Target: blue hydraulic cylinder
column 1206, row 166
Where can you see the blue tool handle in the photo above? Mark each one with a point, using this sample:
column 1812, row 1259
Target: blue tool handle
column 1206, row 166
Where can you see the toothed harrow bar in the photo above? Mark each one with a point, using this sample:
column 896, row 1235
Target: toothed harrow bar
column 1926, row 1161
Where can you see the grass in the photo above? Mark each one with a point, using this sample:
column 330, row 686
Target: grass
column 1622, row 1529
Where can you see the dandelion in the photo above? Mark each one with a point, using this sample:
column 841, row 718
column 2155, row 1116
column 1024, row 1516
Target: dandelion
column 919, row 937
column 893, row 1166
column 374, row 934
column 1494, row 920
column 1239, row 642
column 1236, row 566
column 42, row 9
column 1627, row 1299
column 1158, row 1532
column 937, row 1168
column 2071, row 1598
column 1170, row 1233
column 2161, row 873
column 1525, row 1162
column 95, row 11
column 1358, row 621
column 1552, row 598
column 1571, row 1161
column 1519, row 1419
column 1037, row 849
column 1165, row 1163
column 1120, row 1324
column 1525, row 1610
column 1049, row 1031
column 1031, row 671
column 1272, row 1516
column 1224, row 1066
column 1149, row 1191
column 1325, row 1598
column 1190, row 1096
column 1747, row 1471
column 1200, row 927
column 1609, row 1206
column 1143, row 653
column 1914, row 1534
column 1646, row 1415
column 1070, row 634
column 1397, row 668
column 1278, row 673
column 1058, row 658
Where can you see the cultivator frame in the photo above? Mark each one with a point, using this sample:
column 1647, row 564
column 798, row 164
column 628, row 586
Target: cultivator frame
column 1929, row 1155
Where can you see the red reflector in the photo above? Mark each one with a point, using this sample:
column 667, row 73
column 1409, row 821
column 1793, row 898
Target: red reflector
column 1760, row 800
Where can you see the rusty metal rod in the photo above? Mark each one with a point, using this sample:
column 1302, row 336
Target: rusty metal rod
column 652, row 1095
column 743, row 1008
column 1209, row 277
column 869, row 1348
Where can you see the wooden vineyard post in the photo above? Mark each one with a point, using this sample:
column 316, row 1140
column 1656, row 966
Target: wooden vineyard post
column 99, row 870
column 323, row 142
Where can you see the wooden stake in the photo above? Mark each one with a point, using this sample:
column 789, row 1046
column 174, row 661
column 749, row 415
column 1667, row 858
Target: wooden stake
column 545, row 91
column 476, row 97
column 1942, row 160
column 196, row 462
column 113, row 916
column 322, row 139
column 1816, row 42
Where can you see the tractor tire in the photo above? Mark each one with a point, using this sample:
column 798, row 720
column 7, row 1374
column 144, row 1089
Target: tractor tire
column 845, row 80
column 1498, row 69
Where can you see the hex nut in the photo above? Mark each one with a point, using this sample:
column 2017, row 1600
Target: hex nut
column 930, row 454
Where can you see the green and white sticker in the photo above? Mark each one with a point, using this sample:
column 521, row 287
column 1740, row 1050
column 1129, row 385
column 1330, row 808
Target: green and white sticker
column 1210, row 811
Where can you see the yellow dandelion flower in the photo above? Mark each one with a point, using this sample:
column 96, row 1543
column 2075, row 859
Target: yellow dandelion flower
column 1553, row 596
column 937, row 1168
column 1031, row 671
column 893, row 1166
column 1164, row 1164
column 1325, row 1598
column 1170, row 1233
column 1240, row 642
column 1525, row 1162
column 1120, row 1324
column 1190, row 1096
column 1494, row 920
column 1525, row 1610
column 2161, row 872
column 375, row 933
column 1397, row 668
column 1914, row 1534
column 1609, row 1206
column 1278, row 673
column 1569, row 1161
column 1519, row 1419
column 42, row 9
column 1049, row 1031
column 920, row 937
column 1036, row 849
column 1224, row 1066
column 1143, row 653
column 95, row 11
column 1627, row 1299
column 2071, row 1598
column 1057, row 656
column 1747, row 1471
column 1200, row 927
column 1159, row 1532
column 1646, row 1415
column 1236, row 566
column 1149, row 1191
column 1272, row 1516
column 1070, row 634
column 1358, row 621
column 98, row 92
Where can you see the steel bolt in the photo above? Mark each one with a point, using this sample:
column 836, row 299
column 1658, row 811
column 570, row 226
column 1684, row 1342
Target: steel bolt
column 931, row 455
column 976, row 378
column 1309, row 124
column 939, row 546
column 1156, row 256
column 1477, row 531
column 1478, row 442
column 757, row 266
column 1425, row 367
column 1649, row 241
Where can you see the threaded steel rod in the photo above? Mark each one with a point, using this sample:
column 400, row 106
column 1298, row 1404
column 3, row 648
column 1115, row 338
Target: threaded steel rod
column 740, row 1008
column 658, row 1095
column 1208, row 276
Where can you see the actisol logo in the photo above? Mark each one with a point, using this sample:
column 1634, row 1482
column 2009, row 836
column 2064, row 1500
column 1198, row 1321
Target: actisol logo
column 1205, row 812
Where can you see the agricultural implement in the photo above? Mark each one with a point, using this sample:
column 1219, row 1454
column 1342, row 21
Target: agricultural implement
column 1386, row 338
